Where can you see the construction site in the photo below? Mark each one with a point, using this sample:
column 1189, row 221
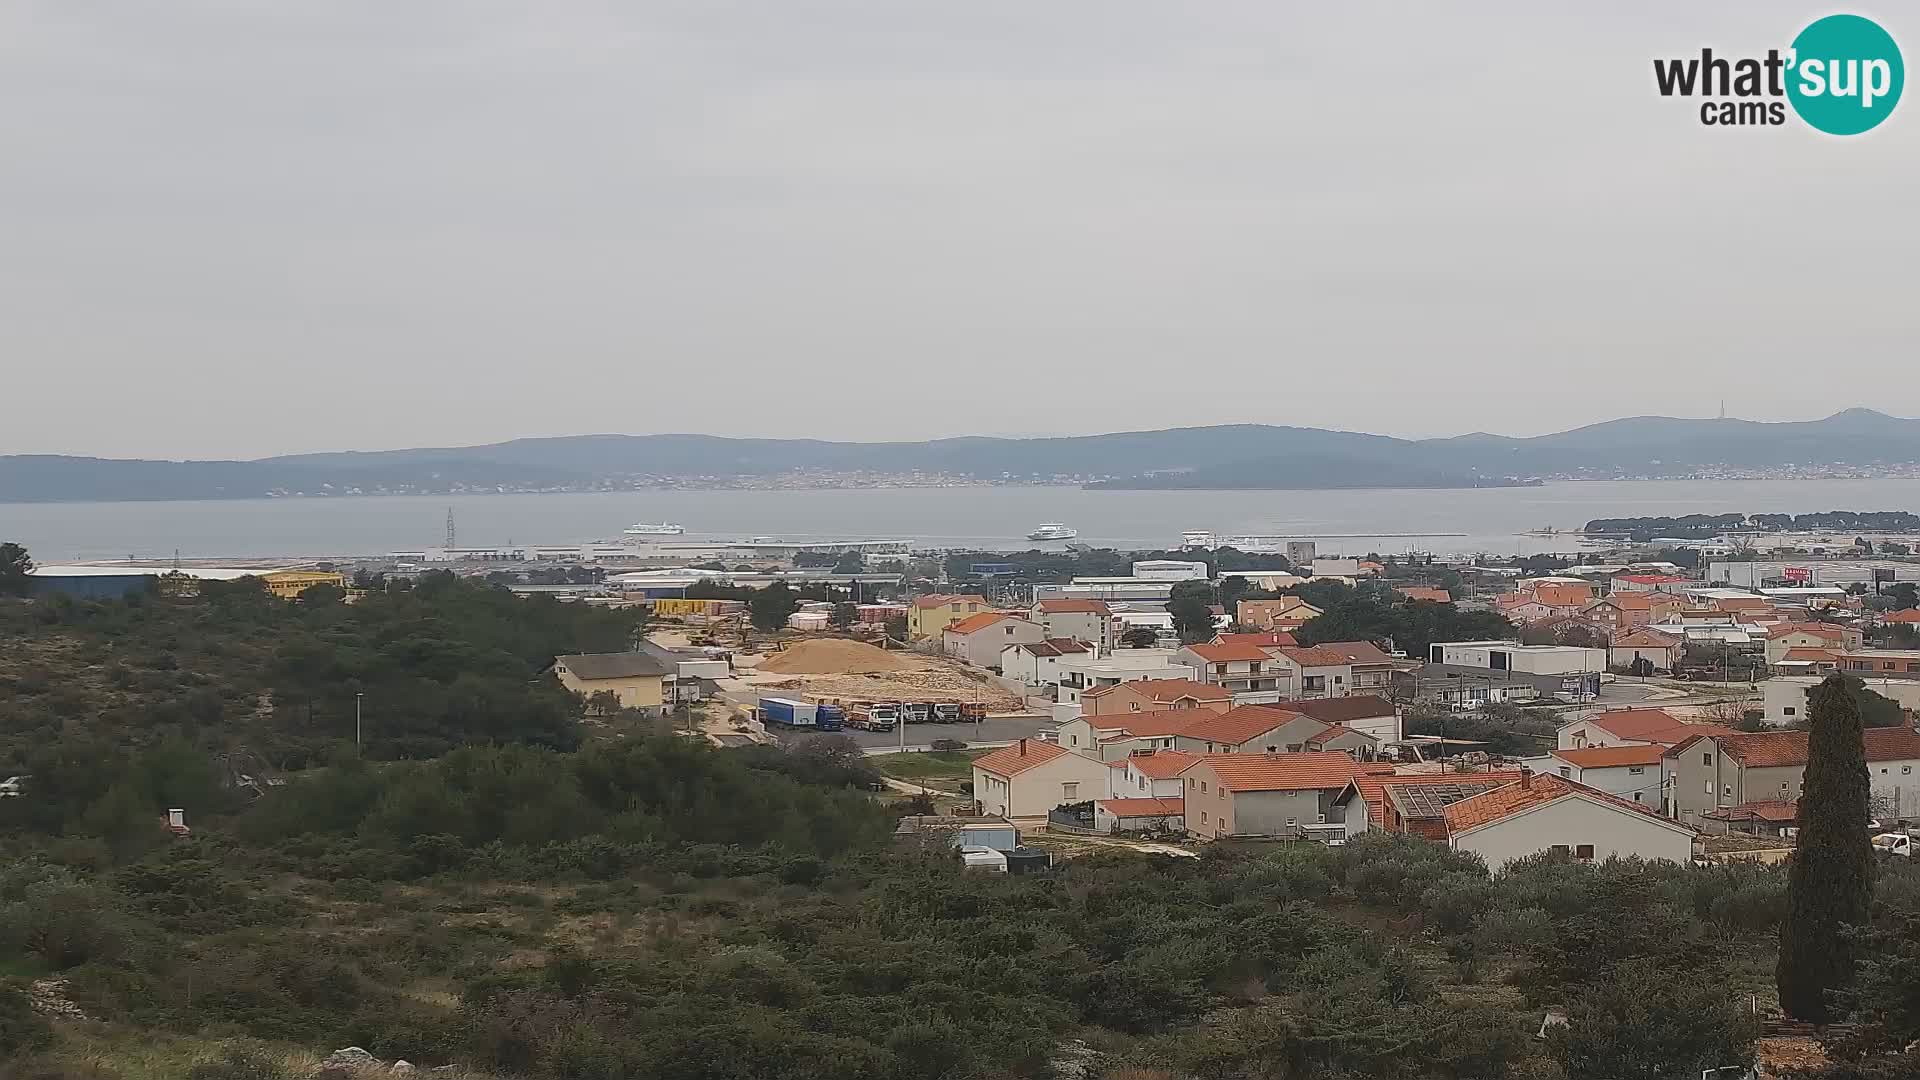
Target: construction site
column 844, row 670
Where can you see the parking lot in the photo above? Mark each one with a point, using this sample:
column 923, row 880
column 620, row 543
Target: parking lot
column 998, row 729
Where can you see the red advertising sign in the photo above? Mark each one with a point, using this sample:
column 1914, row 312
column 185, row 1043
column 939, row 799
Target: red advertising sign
column 1796, row 573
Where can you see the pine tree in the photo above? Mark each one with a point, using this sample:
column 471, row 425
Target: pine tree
column 1831, row 880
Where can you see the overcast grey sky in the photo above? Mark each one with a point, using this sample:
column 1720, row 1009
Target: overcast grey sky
column 236, row 229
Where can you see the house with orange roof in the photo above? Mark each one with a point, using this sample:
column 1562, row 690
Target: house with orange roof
column 1909, row 617
column 1268, row 640
column 1263, row 794
column 1523, row 608
column 1267, row 614
column 1258, row 729
column 1621, row 611
column 1247, row 671
column 1090, row 621
column 1634, row 772
column 929, row 615
column 1030, row 778
column 1783, row 637
column 1549, row 813
column 1148, row 774
column 1036, row 664
column 1411, row 804
column 1630, row 727
column 1112, row 738
column 1563, row 594
column 979, row 639
column 1807, row 661
column 1426, row 593
column 1628, row 647
column 1369, row 671
column 1150, row 695
column 1720, row 771
column 1649, row 583
column 1319, row 671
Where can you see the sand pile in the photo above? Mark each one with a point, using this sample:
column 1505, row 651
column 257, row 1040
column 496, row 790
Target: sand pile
column 833, row 656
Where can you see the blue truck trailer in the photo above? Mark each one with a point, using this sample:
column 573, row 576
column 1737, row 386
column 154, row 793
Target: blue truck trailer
column 802, row 715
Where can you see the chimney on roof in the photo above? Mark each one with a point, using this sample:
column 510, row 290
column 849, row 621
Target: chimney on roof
column 1023, row 748
column 1526, row 778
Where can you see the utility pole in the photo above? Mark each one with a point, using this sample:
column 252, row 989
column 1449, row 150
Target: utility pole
column 357, row 695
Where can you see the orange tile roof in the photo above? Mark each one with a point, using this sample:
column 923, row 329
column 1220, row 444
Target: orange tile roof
column 1073, row 607
column 1773, row 810
column 1423, row 592
column 1826, row 631
column 1166, row 690
column 1150, row 725
column 1809, row 653
column 1315, row 656
column 1161, row 764
column 1911, row 615
column 1018, row 758
column 1332, row 732
column 1125, row 808
column 1633, row 723
column 1236, row 726
column 1357, row 652
column 1612, row 757
column 1774, row 749
column 975, row 623
column 1630, row 601
column 1232, row 652
column 1529, row 792
column 1563, row 595
column 1281, row 772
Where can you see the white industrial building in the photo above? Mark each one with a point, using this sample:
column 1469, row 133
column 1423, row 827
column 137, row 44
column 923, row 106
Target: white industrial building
column 1526, row 659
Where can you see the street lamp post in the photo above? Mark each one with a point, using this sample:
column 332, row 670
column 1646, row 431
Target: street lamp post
column 357, row 695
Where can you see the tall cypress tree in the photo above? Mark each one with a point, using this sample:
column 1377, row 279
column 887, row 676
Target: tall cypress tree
column 1831, row 880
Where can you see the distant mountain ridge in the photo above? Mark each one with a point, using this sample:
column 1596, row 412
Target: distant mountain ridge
column 1242, row 456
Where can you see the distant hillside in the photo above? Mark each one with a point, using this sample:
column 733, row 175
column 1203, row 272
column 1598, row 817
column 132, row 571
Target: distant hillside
column 1244, row 456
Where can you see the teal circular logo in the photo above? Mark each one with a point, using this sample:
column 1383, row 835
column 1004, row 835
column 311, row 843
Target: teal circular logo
column 1846, row 74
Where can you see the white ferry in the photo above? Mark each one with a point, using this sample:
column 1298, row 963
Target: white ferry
column 655, row 528
column 1053, row 531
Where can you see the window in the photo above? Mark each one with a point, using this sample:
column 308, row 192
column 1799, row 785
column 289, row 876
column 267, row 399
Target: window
column 1566, row 772
column 1221, row 792
column 1069, row 792
column 1289, row 823
column 1203, row 817
column 1709, row 787
column 1636, row 796
column 1203, row 785
column 1561, row 849
column 1706, row 758
column 1789, row 710
column 1584, row 852
column 1636, row 770
column 1727, row 790
column 1906, row 770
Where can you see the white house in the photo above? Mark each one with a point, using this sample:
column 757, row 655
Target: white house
column 1087, row 671
column 1513, row 656
column 1634, row 773
column 1090, row 621
column 1037, row 663
column 1030, row 778
column 979, row 639
column 1551, row 813
column 1146, row 774
column 1247, row 671
column 1630, row 727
